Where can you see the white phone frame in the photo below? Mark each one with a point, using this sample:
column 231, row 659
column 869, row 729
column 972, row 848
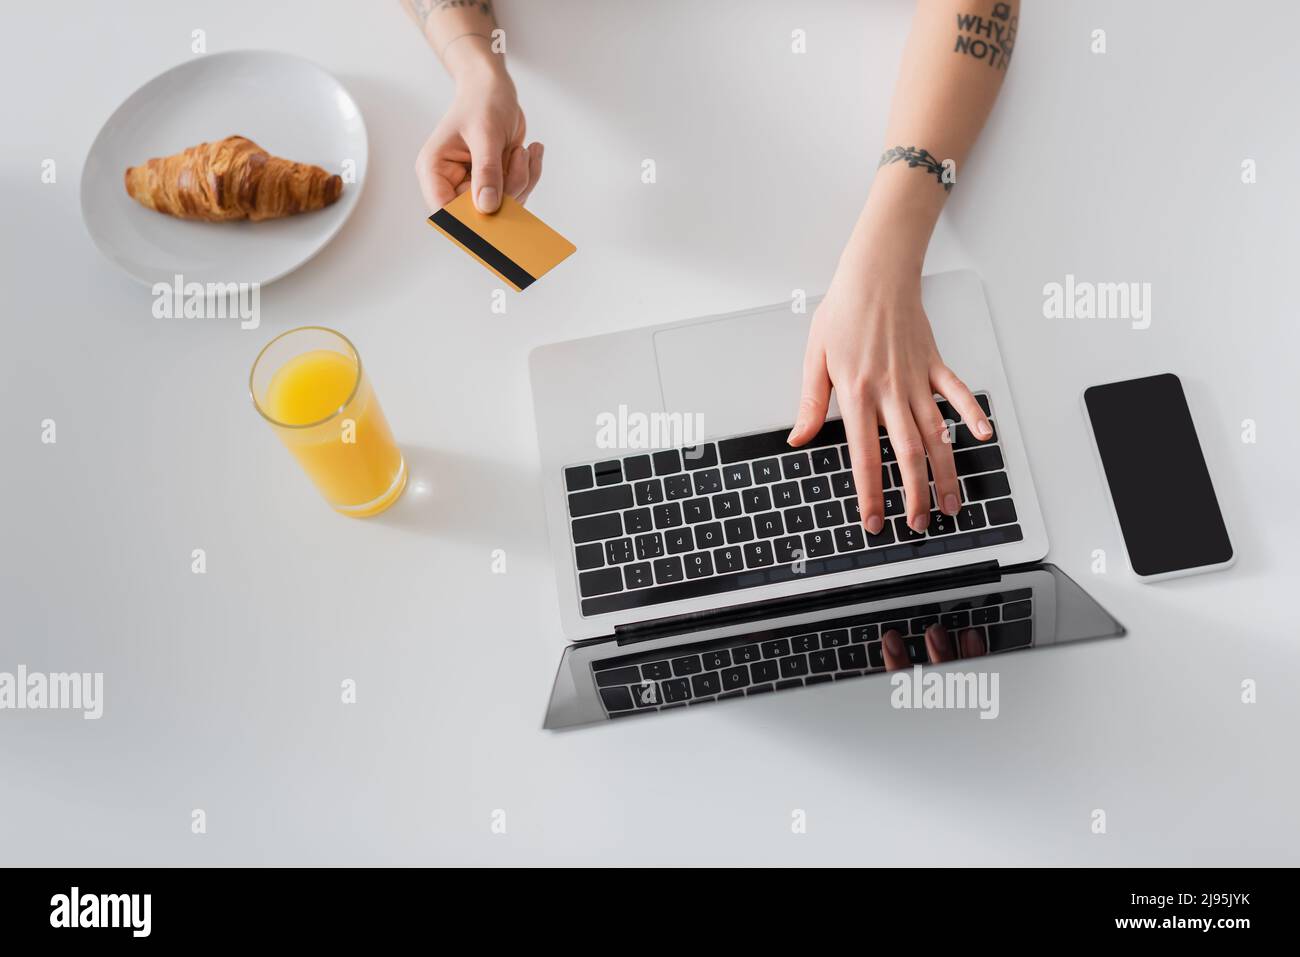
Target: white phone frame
column 1110, row 501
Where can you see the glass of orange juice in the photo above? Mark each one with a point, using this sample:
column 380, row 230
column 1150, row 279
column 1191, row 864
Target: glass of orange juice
column 310, row 385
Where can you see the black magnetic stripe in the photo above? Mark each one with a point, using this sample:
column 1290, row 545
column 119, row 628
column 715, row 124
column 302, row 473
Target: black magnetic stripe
column 481, row 248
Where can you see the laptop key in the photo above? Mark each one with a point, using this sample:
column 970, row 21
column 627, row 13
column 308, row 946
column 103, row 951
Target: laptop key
column 668, row 515
column 905, row 533
column 818, row 544
column 864, row 633
column 941, row 524
column 1001, row 512
column 768, row 525
column 728, row 560
column 677, row 689
column 986, row 458
column 687, row 665
column 842, row 485
column 637, row 520
column 852, row 656
column 971, row 517
column 646, row 694
column 726, row 505
column 656, row 671
column 786, row 494
column 798, row 519
column 789, row 549
column 775, row 648
column 677, row 487
column 796, row 466
column 820, row 662
column 1015, row 609
column 789, row 683
column 794, row 666
column 708, row 481
column 984, row 616
column 884, row 537
column 618, row 676
column 609, row 499
column 697, row 510
column 756, row 499
column 759, row 555
column 578, row 478
column 893, row 503
column 737, row 476
column 667, row 462
column 733, row 678
column 801, row 643
column 739, row 529
column 955, row 620
column 599, row 582
column 963, row 438
column 650, row 492
column 706, row 684
column 836, row 638
column 609, row 473
column 668, row 570
column 825, row 460
column 589, row 556
column 619, row 550
column 1014, row 634
column 637, row 467
column 698, row 565
column 709, row 535
column 713, row 660
column 700, row 456
column 679, row 542
column 992, row 485
column 816, row 489
column 761, row 671
column 828, row 514
column 638, row 575
column 745, row 654
column 616, row 699
column 766, row 471
column 850, row 538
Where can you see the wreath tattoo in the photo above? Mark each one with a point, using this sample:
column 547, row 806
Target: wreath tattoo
column 914, row 158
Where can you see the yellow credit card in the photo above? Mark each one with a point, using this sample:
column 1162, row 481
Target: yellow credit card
column 512, row 242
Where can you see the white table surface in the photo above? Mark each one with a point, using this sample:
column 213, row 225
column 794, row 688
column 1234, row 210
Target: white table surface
column 222, row 690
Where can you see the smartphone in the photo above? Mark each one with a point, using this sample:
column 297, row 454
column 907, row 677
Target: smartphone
column 1160, row 488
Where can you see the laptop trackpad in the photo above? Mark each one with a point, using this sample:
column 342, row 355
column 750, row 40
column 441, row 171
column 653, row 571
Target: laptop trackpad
column 741, row 373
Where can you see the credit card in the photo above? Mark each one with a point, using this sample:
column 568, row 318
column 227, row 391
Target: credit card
column 512, row 242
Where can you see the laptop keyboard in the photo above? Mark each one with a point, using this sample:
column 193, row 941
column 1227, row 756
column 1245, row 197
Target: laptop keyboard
column 792, row 657
column 749, row 511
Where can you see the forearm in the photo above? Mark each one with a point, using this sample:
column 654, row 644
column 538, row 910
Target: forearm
column 460, row 32
column 952, row 69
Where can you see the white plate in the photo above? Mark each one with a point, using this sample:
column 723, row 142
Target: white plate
column 287, row 105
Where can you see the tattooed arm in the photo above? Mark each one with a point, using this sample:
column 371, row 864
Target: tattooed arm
column 479, row 143
column 870, row 339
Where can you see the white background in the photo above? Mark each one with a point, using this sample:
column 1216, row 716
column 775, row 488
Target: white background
column 222, row 690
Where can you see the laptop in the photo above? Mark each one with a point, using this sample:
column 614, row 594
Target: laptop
column 699, row 558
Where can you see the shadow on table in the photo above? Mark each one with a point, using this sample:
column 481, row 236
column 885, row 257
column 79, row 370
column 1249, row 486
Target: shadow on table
column 470, row 499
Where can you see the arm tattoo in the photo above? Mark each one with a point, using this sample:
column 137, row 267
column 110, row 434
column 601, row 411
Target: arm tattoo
column 989, row 39
column 914, row 158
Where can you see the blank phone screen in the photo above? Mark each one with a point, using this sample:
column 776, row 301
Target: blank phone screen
column 1167, row 509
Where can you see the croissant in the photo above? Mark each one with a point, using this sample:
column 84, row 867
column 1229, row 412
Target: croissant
column 231, row 179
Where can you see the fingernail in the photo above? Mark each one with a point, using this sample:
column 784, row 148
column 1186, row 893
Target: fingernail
column 983, row 429
column 894, row 642
column 789, row 439
column 950, row 504
column 874, row 524
column 920, row 523
column 488, row 201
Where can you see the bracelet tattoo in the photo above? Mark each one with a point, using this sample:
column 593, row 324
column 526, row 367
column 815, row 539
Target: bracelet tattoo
column 914, row 158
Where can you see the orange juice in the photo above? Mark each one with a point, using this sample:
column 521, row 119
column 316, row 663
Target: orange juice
column 321, row 404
